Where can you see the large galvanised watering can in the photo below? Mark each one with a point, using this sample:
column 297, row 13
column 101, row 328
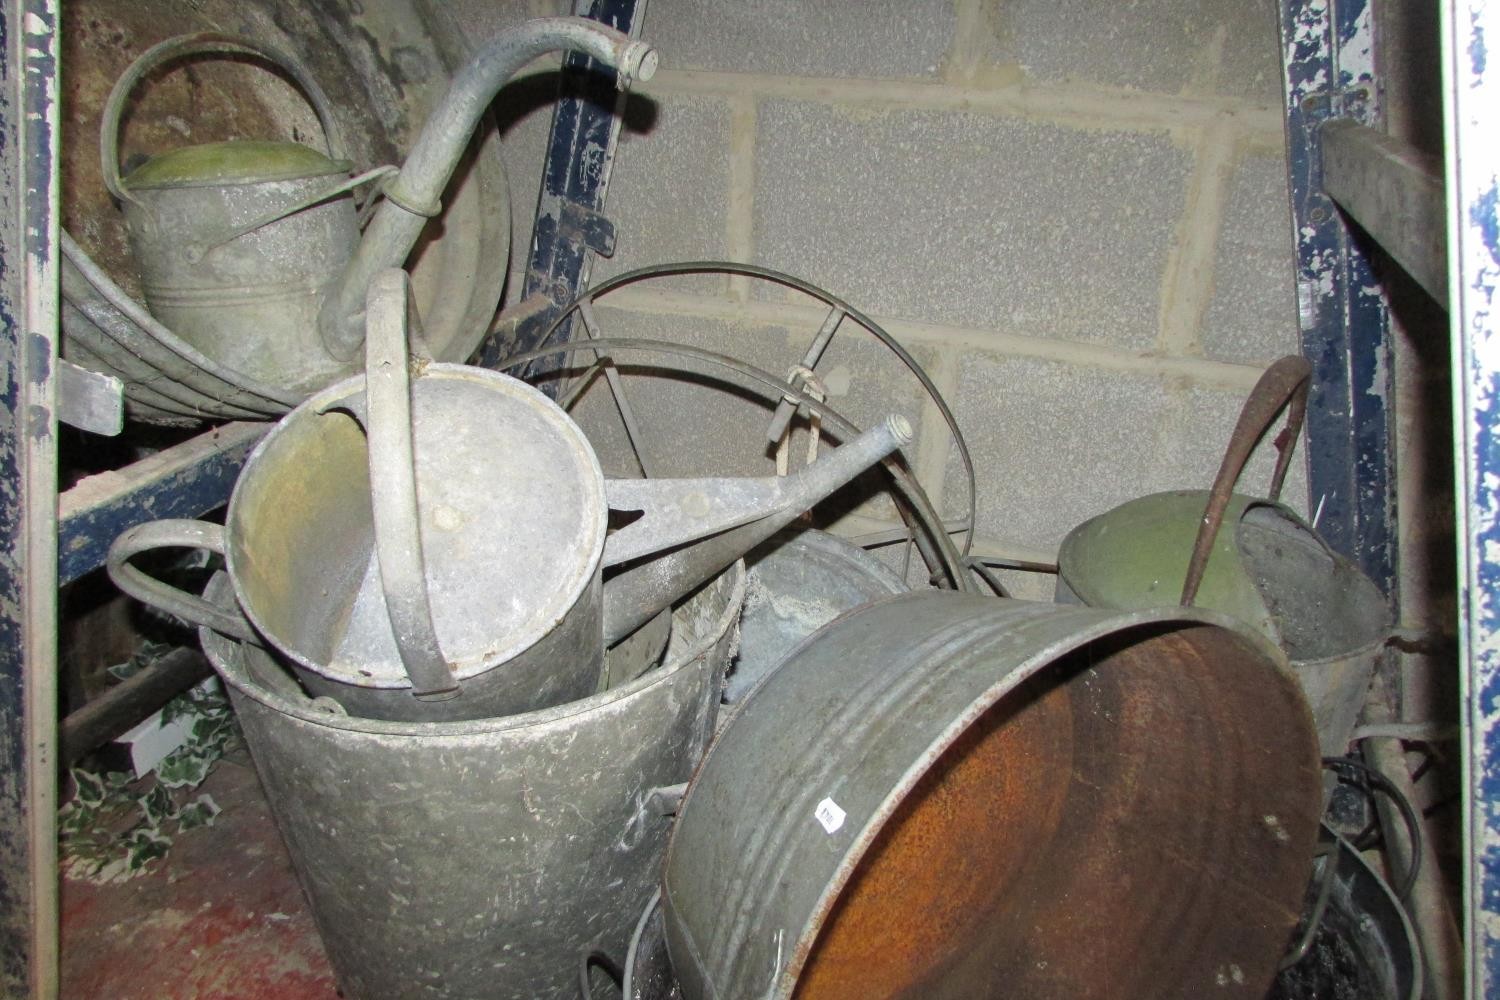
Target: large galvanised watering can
column 432, row 544
column 251, row 251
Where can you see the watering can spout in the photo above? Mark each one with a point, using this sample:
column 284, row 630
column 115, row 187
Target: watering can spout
column 704, row 525
column 412, row 197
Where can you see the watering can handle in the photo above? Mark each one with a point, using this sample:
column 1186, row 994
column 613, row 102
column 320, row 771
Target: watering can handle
column 197, row 44
column 1283, row 385
column 173, row 533
column 393, row 485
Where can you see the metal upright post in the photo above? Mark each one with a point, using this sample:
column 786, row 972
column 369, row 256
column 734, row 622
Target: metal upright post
column 575, row 178
column 28, row 498
column 1472, row 121
column 1329, row 63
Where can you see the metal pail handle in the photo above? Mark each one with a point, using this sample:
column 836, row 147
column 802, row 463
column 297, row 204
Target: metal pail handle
column 174, row 533
column 1283, row 385
column 389, row 321
column 206, row 42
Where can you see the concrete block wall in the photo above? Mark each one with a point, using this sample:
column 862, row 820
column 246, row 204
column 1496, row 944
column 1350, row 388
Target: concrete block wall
column 1073, row 212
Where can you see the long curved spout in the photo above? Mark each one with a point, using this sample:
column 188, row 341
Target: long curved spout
column 413, row 196
column 633, row 596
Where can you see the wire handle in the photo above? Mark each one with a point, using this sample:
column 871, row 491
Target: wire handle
column 201, row 43
column 1283, row 386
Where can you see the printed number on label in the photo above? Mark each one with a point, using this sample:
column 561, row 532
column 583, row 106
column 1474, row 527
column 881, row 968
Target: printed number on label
column 830, row 815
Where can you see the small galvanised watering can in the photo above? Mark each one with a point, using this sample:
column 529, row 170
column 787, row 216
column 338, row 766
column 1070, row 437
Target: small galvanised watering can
column 429, row 542
column 251, row 251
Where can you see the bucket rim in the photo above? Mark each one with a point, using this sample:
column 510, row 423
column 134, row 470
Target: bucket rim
column 224, row 654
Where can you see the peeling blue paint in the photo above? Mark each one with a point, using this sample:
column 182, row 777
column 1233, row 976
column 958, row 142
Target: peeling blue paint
column 1478, row 54
column 84, row 536
column 27, row 183
column 1345, row 323
column 1473, row 167
column 1484, row 216
column 575, row 174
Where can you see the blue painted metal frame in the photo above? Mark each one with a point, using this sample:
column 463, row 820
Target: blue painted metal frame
column 1472, row 92
column 575, row 179
column 186, row 481
column 28, row 476
column 1328, row 58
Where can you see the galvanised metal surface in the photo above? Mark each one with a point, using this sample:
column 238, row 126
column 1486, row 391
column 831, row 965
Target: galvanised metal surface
column 167, row 380
column 481, row 859
column 237, row 242
column 943, row 795
column 412, row 196
column 1472, row 103
column 575, row 180
column 513, row 527
column 458, row 273
column 1266, row 569
column 799, row 582
column 272, row 296
column 638, row 592
column 1329, row 65
column 28, row 513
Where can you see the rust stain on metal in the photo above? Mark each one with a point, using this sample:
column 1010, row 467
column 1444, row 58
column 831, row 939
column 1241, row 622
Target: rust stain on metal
column 940, row 870
column 1079, row 842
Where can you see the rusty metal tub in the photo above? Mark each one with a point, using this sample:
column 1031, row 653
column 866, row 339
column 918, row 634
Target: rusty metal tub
column 943, row 795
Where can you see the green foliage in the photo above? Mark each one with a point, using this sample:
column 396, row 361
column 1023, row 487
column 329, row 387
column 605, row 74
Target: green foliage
column 115, row 826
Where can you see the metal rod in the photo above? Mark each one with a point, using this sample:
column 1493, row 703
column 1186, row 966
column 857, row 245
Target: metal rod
column 936, row 547
column 1283, row 386
column 185, row 480
column 617, row 390
column 786, row 409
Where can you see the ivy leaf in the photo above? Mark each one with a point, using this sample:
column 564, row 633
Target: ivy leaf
column 184, row 768
column 175, row 709
column 157, row 806
column 144, row 845
column 90, row 788
column 200, row 812
column 123, row 671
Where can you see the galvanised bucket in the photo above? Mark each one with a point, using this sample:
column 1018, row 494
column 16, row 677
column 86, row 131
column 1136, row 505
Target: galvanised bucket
column 469, row 860
column 799, row 582
column 948, row 796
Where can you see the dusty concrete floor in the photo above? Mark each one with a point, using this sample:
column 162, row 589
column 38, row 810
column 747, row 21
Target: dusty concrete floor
column 219, row 918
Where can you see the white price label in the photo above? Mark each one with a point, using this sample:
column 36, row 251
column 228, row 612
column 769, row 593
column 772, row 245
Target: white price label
column 830, row 815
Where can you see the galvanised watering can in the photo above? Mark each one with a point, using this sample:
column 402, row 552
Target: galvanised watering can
column 251, row 251
column 429, row 542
